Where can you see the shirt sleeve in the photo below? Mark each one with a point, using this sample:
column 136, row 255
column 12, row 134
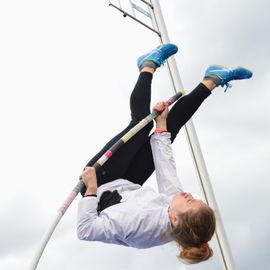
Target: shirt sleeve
column 91, row 226
column 166, row 174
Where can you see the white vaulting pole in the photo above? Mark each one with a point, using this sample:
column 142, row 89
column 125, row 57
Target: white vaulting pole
column 45, row 240
column 72, row 195
column 200, row 166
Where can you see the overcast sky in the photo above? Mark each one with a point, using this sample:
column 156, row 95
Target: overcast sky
column 67, row 69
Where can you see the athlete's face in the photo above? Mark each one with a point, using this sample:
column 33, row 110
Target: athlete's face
column 181, row 203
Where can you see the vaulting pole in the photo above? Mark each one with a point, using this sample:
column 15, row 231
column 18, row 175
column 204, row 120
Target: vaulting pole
column 200, row 166
column 104, row 158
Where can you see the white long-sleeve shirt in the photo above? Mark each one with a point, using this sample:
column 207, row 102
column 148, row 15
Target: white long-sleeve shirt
column 141, row 219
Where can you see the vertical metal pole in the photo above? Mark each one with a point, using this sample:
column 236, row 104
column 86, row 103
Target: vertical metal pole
column 200, row 166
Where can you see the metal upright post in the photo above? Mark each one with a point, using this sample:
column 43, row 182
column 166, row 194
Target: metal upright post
column 200, row 166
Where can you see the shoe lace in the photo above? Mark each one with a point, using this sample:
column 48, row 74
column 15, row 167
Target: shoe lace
column 228, row 85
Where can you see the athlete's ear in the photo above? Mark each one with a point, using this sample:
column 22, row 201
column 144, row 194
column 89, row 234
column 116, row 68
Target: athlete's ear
column 175, row 220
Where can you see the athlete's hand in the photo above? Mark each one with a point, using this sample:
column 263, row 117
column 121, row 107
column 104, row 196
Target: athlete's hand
column 89, row 178
column 161, row 119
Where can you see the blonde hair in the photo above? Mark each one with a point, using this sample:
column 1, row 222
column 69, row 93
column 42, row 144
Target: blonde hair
column 195, row 229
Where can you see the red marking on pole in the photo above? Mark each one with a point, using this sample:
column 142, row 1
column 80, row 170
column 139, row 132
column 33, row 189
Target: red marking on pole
column 108, row 154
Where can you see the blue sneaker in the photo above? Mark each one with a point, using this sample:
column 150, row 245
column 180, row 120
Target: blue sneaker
column 157, row 56
column 222, row 75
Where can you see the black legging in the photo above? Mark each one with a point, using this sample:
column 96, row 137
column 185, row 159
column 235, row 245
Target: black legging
column 134, row 160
